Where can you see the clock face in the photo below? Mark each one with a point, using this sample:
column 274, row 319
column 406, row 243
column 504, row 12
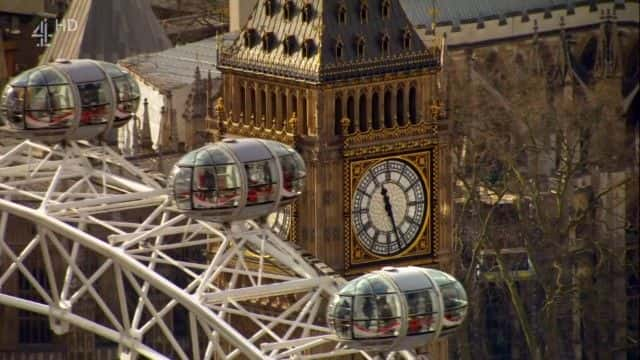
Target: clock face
column 280, row 221
column 389, row 207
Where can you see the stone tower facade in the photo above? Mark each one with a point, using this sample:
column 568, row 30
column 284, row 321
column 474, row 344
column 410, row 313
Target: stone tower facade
column 347, row 83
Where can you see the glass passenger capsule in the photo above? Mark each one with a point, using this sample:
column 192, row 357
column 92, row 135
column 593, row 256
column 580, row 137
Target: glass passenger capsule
column 397, row 309
column 237, row 179
column 68, row 100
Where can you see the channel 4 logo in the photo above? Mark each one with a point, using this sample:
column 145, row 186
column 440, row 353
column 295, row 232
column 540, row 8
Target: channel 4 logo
column 41, row 32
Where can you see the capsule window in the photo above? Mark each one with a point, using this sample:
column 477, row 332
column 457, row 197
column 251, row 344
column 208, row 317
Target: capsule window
column 182, row 187
column 127, row 95
column 455, row 302
column 421, row 317
column 260, row 183
column 95, row 100
column 293, row 175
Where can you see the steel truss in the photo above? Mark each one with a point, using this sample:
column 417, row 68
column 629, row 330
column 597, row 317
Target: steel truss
column 156, row 282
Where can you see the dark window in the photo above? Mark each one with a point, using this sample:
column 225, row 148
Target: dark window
column 384, row 44
column 338, row 116
column 351, row 114
column 400, row 106
column 263, row 104
column 294, row 106
column 413, row 116
column 388, row 121
column 283, row 99
column 248, row 38
column 385, row 9
column 268, row 7
column 342, row 14
column 252, row 95
column 305, row 121
column 289, row 9
column 406, row 40
column 307, row 12
column 289, row 45
column 267, row 41
column 364, row 13
column 375, row 110
column 243, row 105
column 339, row 50
column 363, row 112
column 274, row 114
column 360, row 47
column 308, row 48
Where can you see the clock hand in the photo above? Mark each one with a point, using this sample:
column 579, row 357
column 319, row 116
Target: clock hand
column 389, row 210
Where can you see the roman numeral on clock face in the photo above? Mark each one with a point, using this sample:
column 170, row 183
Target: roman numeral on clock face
column 388, row 207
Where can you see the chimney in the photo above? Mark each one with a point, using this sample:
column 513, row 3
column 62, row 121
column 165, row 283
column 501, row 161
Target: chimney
column 239, row 11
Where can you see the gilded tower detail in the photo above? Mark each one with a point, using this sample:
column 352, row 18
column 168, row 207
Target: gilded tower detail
column 352, row 86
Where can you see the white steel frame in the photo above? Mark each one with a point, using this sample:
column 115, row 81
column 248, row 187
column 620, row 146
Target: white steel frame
column 80, row 197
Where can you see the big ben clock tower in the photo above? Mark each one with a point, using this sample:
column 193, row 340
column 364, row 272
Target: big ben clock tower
column 352, row 86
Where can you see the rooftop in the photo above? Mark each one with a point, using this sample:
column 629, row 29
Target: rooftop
column 174, row 68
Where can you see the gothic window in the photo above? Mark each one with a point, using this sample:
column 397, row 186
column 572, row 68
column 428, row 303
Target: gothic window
column 406, row 40
column 384, row 44
column 360, row 46
column 351, row 114
column 338, row 116
column 243, row 104
column 308, row 48
column 303, row 117
column 252, row 99
column 364, row 12
column 339, row 50
column 413, row 115
column 263, row 104
column 248, row 37
column 388, row 120
column 267, row 41
column 307, row 11
column 342, row 14
column 375, row 110
column 400, row 106
column 289, row 45
column 289, row 8
column 283, row 102
column 385, row 9
column 268, row 7
column 294, row 107
column 362, row 109
column 272, row 102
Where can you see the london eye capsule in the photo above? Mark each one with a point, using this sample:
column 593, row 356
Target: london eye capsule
column 237, row 179
column 68, row 100
column 397, row 309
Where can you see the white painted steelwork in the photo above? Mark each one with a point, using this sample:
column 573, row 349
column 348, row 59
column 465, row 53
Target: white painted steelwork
column 163, row 285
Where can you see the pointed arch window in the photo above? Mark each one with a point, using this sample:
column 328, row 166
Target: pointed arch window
column 342, row 14
column 268, row 7
column 385, row 9
column 307, row 12
column 249, row 37
column 364, row 12
column 289, row 9
column 384, row 44
column 360, row 46
column 267, row 41
column 406, row 40
column 289, row 45
column 308, row 47
column 339, row 50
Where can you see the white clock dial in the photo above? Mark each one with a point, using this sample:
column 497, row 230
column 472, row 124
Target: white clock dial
column 389, row 207
column 280, row 221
